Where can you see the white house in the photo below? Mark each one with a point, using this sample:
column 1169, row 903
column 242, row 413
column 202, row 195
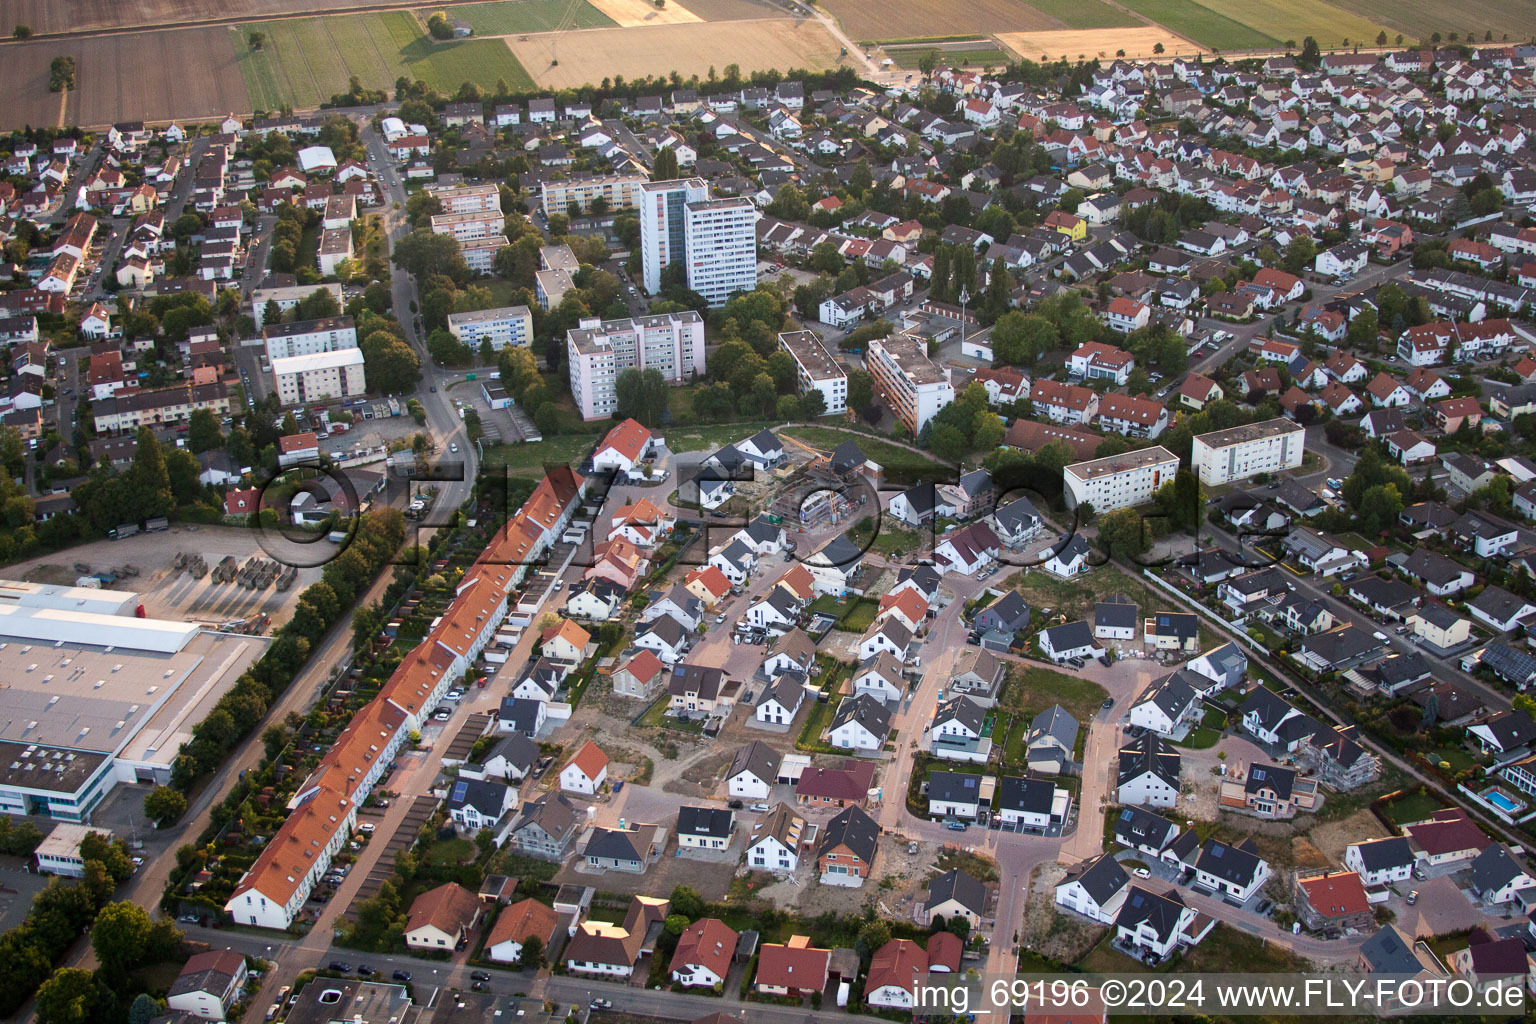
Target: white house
column 753, row 771
column 1095, row 889
column 1380, row 861
column 880, row 677
column 1070, row 640
column 860, row 723
column 586, row 772
column 781, row 701
column 777, row 840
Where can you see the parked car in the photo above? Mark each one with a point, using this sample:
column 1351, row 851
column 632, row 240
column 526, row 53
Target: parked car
column 601, row 1004
column 474, row 975
column 618, row 787
column 366, row 971
column 401, row 976
column 341, row 965
column 956, row 826
column 758, row 807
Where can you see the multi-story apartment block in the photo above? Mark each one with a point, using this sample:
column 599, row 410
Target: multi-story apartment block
column 505, row 326
column 908, row 380
column 319, row 376
column 308, row 337
column 1223, row 456
column 480, row 253
column 555, row 276
column 714, row 239
column 600, row 350
column 815, row 368
column 468, row 198
column 130, row 410
column 465, row 227
column 1119, row 481
column 287, row 297
column 335, row 246
column 620, row 191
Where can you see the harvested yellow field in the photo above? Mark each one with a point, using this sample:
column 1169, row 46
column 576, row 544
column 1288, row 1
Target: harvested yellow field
column 629, row 13
column 1096, row 42
column 590, row 55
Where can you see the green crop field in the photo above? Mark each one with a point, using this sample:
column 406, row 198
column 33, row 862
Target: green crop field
column 515, row 18
column 1201, row 24
column 1084, row 13
column 1331, row 26
column 980, row 57
column 1420, row 19
column 305, row 61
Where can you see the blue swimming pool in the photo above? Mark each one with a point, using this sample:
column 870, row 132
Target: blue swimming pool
column 1502, row 802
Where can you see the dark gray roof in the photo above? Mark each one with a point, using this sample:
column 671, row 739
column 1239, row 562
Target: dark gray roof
column 668, row 629
column 848, row 456
column 867, row 711
column 1054, row 722
column 1499, row 604
column 1511, row 663
column 1016, row 515
column 1071, row 635
column 552, row 812
column 715, row 822
column 1136, row 826
column 1233, row 864
column 1183, row 625
column 1380, row 854
column 758, row 758
column 1009, row 612
column 517, row 749
column 1382, row 593
column 921, row 498
column 1431, row 567
column 521, row 713
column 925, row 576
column 1400, row 669
column 954, row 787
column 484, row 795
column 1115, row 614
column 958, row 886
column 1260, row 776
column 612, row 844
column 1161, row 912
column 1149, row 752
column 1339, row 646
column 1174, row 693
column 1015, row 793
column 964, row 710
column 1494, row 868
column 854, row 829
column 1387, row 953
column 762, row 531
column 1512, row 729
column 706, row 682
column 1102, row 877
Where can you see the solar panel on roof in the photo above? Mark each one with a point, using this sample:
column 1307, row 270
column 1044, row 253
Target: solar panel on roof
column 459, row 789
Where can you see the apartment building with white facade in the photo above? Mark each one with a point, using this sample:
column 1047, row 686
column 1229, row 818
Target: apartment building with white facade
column 815, row 368
column 620, row 191
column 465, row 227
column 480, row 253
column 287, row 297
column 467, row 198
column 319, row 376
column 505, row 326
column 309, row 337
column 714, row 239
column 598, row 351
column 911, row 384
column 1237, row 453
column 1119, row 481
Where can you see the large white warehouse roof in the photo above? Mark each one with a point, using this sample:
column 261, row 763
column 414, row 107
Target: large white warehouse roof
column 52, row 625
column 16, row 593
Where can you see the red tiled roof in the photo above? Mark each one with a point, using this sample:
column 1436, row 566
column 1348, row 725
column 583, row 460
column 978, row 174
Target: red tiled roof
column 628, row 439
column 1336, row 895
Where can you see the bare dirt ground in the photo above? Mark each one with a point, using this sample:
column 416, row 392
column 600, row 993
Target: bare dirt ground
column 1061, row 935
column 50, row 16
column 1137, row 41
column 174, row 595
column 141, row 75
column 642, row 12
column 892, row 888
column 1332, row 837
column 913, row 19
column 728, row 10
column 590, row 55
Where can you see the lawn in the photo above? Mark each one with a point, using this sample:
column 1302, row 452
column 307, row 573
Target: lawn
column 892, row 541
column 305, row 61
column 978, row 866
column 1225, row 950
column 506, row 19
column 1029, row 691
column 1413, row 807
column 448, row 852
column 894, row 460
column 860, row 615
column 1199, row 739
column 531, row 458
column 701, row 438
column 815, row 724
column 1202, row 24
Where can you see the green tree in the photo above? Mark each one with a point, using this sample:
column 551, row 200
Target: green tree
column 144, row 1009
column 1299, row 254
column 1020, row 338
column 148, row 478
column 872, row 938
column 813, row 404
column 861, row 390
column 642, row 395
column 686, row 900
column 927, row 61
column 665, row 167
column 787, row 409
column 949, row 443
column 120, row 936
column 531, row 956
column 422, row 253
column 68, row 997
column 392, row 366
column 203, row 431
column 110, row 852
column 1123, row 533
